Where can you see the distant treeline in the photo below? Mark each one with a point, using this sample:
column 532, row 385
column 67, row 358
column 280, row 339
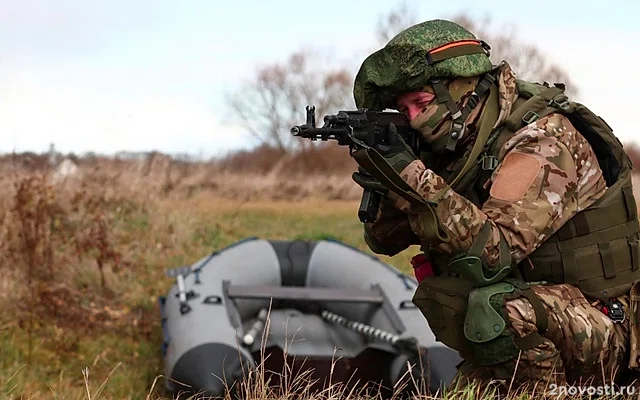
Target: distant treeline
column 325, row 158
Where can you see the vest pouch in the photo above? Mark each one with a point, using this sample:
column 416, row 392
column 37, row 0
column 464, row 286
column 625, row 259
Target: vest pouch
column 443, row 302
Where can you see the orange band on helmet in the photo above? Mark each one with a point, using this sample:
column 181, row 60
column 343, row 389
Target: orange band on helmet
column 455, row 44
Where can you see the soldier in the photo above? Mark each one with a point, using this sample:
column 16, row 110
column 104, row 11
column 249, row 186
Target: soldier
column 526, row 217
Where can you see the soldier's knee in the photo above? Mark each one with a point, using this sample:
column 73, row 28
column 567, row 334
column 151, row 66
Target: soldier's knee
column 522, row 318
column 525, row 327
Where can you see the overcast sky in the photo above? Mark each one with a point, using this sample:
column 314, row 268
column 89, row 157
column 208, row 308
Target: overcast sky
column 116, row 75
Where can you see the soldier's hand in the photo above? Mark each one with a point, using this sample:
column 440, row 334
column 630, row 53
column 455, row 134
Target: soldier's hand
column 397, row 153
column 367, row 181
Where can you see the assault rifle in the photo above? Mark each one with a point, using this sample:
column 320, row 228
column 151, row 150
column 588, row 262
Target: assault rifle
column 360, row 129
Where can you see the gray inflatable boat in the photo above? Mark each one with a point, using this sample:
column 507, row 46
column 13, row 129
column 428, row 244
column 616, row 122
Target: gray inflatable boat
column 315, row 305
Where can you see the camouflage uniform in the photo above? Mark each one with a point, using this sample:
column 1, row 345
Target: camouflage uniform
column 564, row 177
column 548, row 173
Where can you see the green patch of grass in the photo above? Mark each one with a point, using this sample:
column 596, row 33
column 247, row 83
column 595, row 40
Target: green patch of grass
column 208, row 236
column 315, row 236
column 138, row 222
column 129, row 364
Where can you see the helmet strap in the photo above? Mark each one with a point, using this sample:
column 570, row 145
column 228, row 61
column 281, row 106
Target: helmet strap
column 459, row 115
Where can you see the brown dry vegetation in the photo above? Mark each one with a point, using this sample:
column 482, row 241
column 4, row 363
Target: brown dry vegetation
column 82, row 257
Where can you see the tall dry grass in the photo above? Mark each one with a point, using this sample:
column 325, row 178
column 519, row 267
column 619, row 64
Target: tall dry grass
column 80, row 254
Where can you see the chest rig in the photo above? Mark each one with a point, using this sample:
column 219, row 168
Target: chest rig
column 596, row 251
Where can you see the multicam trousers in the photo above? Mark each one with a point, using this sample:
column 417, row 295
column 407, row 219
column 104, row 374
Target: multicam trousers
column 582, row 345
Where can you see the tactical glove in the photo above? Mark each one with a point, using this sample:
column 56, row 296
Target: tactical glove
column 385, row 162
column 368, row 182
column 396, row 152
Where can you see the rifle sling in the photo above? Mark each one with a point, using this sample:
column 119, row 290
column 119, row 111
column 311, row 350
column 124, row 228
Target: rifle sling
column 379, row 168
column 487, row 122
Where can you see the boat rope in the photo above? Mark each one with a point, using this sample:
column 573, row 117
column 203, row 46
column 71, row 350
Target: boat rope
column 250, row 336
column 367, row 330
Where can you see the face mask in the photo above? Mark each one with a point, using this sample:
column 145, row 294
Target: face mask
column 431, row 121
column 434, row 122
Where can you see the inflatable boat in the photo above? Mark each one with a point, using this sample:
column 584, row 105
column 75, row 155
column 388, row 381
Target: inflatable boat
column 316, row 306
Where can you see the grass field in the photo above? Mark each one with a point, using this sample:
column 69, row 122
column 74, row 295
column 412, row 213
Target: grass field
column 83, row 260
column 83, row 265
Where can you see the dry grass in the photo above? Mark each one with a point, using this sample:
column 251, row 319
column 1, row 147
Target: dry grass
column 82, row 259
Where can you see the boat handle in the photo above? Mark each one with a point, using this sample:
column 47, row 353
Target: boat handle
column 212, row 300
column 406, row 304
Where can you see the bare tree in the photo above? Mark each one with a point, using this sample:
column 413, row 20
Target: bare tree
column 275, row 100
column 394, row 21
column 527, row 61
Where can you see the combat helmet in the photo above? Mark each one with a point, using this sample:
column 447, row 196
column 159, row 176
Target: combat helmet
column 424, row 55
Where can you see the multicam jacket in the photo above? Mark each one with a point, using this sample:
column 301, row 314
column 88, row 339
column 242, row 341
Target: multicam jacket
column 549, row 173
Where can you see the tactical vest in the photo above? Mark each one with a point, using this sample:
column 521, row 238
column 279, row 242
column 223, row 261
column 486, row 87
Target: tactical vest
column 597, row 249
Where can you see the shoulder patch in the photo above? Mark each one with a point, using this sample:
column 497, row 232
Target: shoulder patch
column 515, row 176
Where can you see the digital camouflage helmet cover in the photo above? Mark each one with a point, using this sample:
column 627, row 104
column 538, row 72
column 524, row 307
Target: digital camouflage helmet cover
column 436, row 49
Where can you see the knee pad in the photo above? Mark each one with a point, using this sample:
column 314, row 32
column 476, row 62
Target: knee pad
column 486, row 322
